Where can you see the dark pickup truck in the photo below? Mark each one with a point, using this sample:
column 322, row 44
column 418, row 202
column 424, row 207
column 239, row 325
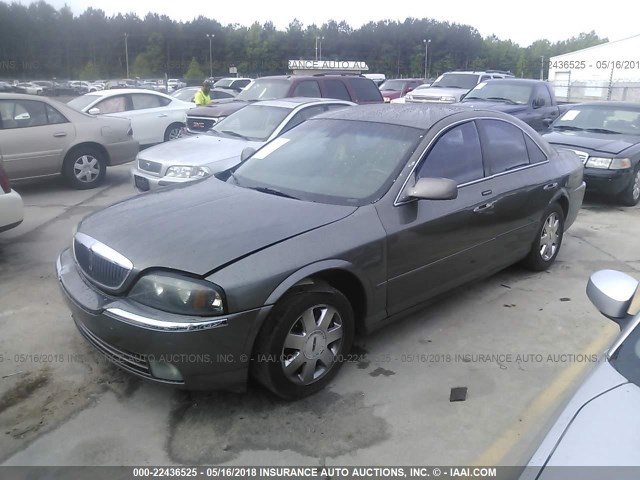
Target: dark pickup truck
column 532, row 101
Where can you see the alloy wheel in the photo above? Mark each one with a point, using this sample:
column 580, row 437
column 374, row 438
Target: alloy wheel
column 311, row 347
column 175, row 133
column 635, row 192
column 86, row 168
column 549, row 237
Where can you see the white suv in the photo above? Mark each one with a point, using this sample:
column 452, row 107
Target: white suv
column 450, row 87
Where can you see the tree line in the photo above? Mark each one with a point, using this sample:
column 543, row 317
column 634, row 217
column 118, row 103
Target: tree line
column 38, row 42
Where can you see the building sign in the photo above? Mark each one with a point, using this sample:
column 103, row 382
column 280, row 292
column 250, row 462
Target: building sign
column 328, row 65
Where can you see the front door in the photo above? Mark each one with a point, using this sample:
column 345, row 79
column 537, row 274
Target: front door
column 434, row 245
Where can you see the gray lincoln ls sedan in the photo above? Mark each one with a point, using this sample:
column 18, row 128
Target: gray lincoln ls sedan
column 339, row 226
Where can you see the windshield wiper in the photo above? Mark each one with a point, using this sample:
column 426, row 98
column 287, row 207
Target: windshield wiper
column 502, row 99
column 567, row 127
column 600, row 130
column 273, row 191
column 234, row 134
column 474, row 98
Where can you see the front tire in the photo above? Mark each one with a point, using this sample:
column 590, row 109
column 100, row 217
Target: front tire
column 84, row 168
column 631, row 195
column 548, row 240
column 304, row 341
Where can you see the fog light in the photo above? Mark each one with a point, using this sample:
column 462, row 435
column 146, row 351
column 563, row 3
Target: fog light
column 165, row 371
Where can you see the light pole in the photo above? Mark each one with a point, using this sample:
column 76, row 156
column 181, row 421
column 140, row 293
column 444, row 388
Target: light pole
column 426, row 56
column 542, row 67
column 126, row 53
column 210, row 37
column 319, row 38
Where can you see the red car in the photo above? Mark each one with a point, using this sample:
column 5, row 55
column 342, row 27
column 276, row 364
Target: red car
column 399, row 87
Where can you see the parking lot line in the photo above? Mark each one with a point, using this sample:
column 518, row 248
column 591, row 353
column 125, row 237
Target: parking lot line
column 544, row 402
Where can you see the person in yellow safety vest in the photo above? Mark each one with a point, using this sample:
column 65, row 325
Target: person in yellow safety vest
column 202, row 96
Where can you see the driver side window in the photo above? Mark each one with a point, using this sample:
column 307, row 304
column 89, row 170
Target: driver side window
column 456, row 155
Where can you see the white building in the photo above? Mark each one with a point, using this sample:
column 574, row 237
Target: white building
column 610, row 71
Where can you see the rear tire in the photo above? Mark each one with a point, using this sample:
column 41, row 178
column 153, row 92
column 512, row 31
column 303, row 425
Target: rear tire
column 84, row 168
column 304, row 341
column 173, row 132
column 548, row 240
column 631, row 195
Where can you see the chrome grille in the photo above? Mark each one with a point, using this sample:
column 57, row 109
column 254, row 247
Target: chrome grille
column 101, row 264
column 134, row 362
column 437, row 99
column 584, row 156
column 149, row 166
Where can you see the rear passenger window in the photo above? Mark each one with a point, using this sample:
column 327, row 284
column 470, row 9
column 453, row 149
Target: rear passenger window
column 503, row 146
column 307, row 88
column 336, row 89
column 535, row 154
column 365, row 90
column 54, row 115
column 456, row 155
column 142, row 101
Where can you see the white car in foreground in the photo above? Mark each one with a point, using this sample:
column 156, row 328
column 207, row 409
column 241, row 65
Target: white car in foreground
column 599, row 429
column 11, row 206
column 155, row 117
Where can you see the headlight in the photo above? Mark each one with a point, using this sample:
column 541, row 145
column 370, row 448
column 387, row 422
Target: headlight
column 178, row 294
column 608, row 163
column 187, row 172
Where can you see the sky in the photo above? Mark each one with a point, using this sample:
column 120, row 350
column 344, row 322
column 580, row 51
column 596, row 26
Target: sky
column 521, row 22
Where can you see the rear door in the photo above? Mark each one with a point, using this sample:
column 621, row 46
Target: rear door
column 150, row 117
column 34, row 136
column 522, row 186
column 434, row 245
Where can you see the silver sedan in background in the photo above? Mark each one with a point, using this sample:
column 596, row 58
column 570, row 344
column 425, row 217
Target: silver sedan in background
column 195, row 157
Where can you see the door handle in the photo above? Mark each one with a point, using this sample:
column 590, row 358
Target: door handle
column 550, row 186
column 487, row 192
column 483, row 208
column 60, row 134
column 162, row 115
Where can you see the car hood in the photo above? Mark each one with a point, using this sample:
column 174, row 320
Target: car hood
column 613, row 415
column 198, row 150
column 221, row 108
column 201, row 227
column 585, row 411
column 496, row 106
column 599, row 142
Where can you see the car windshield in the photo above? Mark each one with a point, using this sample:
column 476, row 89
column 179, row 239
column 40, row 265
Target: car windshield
column 393, row 85
column 254, row 122
column 501, row 91
column 81, row 102
column 265, row 89
column 456, row 80
column 334, row 161
column 626, row 358
column 601, row 119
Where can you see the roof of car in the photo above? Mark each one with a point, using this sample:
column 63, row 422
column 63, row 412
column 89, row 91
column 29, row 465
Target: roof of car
column 293, row 102
column 116, row 91
column 522, row 81
column 403, row 114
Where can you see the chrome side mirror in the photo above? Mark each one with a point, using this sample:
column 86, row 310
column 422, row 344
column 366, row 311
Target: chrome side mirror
column 612, row 292
column 94, row 111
